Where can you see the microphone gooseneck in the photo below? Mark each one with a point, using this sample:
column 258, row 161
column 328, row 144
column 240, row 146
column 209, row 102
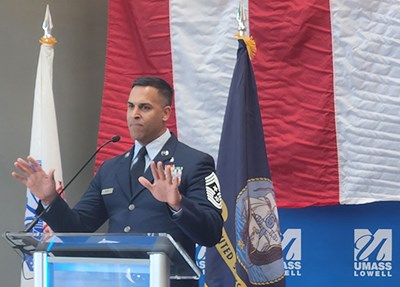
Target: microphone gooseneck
column 36, row 219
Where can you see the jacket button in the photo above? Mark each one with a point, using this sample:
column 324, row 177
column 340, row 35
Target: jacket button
column 127, row 229
column 131, row 207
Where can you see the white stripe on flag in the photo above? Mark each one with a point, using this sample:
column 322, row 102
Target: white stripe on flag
column 203, row 56
column 367, row 80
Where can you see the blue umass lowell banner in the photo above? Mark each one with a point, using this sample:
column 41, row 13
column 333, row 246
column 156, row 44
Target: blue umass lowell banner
column 249, row 253
column 347, row 245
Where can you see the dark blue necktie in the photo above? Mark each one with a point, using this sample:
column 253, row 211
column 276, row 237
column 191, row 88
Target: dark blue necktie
column 138, row 169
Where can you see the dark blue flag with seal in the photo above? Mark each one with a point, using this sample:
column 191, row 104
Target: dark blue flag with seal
column 249, row 252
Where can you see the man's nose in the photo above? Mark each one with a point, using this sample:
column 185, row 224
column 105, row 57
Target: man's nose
column 135, row 112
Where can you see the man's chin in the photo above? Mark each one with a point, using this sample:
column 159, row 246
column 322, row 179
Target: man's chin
column 135, row 136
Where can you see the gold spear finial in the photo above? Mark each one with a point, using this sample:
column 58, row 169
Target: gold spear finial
column 241, row 18
column 47, row 27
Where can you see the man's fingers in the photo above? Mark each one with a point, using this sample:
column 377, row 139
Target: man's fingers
column 145, row 182
column 23, row 166
column 160, row 170
column 19, row 177
column 34, row 164
column 51, row 173
column 176, row 180
column 28, row 167
column 154, row 171
column 168, row 174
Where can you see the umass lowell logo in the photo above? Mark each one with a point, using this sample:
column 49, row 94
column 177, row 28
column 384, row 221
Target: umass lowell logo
column 372, row 253
column 291, row 246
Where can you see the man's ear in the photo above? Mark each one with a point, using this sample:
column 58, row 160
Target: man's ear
column 166, row 112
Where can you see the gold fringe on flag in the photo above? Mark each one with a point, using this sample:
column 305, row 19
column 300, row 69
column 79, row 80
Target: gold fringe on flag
column 250, row 44
column 51, row 41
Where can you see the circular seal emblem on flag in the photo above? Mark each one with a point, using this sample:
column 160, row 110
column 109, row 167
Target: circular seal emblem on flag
column 259, row 248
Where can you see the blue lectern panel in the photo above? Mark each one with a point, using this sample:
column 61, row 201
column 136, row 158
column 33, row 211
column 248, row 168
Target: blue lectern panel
column 97, row 273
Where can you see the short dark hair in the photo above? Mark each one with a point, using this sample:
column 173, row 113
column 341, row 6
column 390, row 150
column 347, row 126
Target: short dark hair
column 161, row 85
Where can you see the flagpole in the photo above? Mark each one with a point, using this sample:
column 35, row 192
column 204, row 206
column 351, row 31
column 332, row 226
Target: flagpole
column 241, row 33
column 241, row 18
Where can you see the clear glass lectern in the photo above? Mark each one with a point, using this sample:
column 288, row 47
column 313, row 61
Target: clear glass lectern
column 104, row 259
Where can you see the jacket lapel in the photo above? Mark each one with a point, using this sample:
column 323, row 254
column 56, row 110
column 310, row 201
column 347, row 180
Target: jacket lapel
column 123, row 174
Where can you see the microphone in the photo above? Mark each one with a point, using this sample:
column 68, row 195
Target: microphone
column 114, row 139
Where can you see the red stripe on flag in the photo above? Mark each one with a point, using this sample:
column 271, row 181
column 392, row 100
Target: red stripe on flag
column 294, row 72
column 138, row 44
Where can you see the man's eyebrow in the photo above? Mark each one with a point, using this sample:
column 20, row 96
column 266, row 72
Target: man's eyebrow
column 140, row 104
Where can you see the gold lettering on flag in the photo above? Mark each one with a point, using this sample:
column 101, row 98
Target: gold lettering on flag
column 227, row 250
